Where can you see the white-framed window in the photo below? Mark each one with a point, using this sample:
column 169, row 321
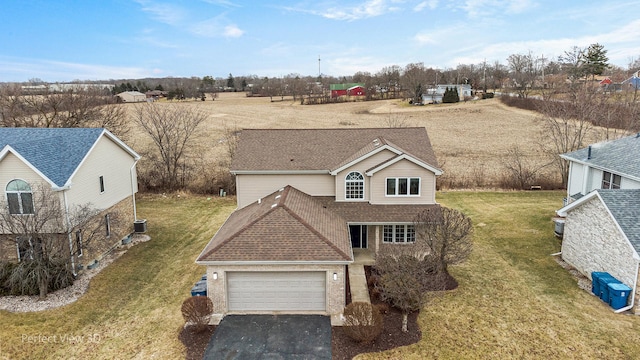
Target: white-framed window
column 19, row 197
column 107, row 225
column 79, row 243
column 403, row 186
column 27, row 247
column 101, row 184
column 398, row 234
column 354, row 186
column 611, row 181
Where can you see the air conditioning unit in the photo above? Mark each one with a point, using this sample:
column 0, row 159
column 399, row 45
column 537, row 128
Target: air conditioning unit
column 558, row 227
column 140, row 226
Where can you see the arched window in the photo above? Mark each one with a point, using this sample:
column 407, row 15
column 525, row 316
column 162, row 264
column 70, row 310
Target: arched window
column 20, row 197
column 354, row 186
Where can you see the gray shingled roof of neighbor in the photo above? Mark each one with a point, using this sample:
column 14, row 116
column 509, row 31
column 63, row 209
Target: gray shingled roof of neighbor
column 323, row 149
column 621, row 156
column 624, row 205
column 285, row 226
column 55, row 152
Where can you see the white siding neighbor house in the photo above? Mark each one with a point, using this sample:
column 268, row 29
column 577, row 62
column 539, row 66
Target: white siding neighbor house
column 602, row 212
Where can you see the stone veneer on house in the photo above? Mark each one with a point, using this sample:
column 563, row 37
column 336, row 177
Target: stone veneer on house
column 593, row 242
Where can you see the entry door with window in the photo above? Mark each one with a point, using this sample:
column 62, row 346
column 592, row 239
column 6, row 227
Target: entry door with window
column 358, row 236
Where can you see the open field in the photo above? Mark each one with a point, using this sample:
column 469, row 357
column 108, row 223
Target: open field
column 470, row 139
column 514, row 300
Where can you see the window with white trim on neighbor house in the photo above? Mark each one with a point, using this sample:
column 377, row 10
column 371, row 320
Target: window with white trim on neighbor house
column 19, row 197
column 403, row 186
column 611, row 181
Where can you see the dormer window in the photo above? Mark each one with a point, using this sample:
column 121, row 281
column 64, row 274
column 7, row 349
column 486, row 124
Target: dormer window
column 611, row 181
column 403, row 186
column 354, row 186
column 20, row 197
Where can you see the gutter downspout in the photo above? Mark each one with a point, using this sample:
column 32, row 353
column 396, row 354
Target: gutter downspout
column 633, row 293
column 133, row 192
column 66, row 215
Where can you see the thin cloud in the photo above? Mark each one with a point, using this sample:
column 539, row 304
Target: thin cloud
column 165, row 13
column 431, row 4
column 232, row 31
column 368, row 9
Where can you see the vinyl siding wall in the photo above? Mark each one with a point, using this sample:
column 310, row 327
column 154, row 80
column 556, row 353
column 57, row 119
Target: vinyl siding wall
column 107, row 159
column 252, row 187
column 403, row 168
column 362, row 166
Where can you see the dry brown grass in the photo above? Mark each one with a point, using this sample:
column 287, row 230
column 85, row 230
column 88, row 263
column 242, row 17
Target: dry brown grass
column 470, row 139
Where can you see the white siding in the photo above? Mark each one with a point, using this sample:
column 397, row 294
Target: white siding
column 576, row 179
column 109, row 160
column 403, row 168
column 251, row 187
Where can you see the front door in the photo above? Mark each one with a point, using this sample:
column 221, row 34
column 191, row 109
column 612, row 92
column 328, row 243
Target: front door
column 358, row 236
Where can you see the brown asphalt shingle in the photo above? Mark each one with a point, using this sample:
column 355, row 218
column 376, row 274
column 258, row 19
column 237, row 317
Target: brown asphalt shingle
column 297, row 228
column 323, row 149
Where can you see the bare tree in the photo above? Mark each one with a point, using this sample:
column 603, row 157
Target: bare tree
column 444, row 235
column 90, row 107
column 523, row 72
column 522, row 171
column 173, row 129
column 42, row 233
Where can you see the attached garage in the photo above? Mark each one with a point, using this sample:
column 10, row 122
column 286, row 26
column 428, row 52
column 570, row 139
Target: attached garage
column 276, row 291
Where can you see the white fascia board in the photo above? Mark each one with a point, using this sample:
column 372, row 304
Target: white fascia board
column 279, row 172
column 365, row 156
column 434, row 170
column 564, row 210
column 257, row 263
column 8, row 149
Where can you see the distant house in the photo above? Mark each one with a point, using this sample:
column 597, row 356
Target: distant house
column 634, row 81
column 434, row 95
column 79, row 166
column 348, row 89
column 602, row 212
column 132, row 96
column 156, row 94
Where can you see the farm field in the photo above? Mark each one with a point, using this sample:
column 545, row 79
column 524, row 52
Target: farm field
column 470, row 139
column 514, row 300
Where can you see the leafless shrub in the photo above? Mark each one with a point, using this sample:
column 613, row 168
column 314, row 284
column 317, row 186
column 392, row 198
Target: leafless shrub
column 197, row 311
column 363, row 322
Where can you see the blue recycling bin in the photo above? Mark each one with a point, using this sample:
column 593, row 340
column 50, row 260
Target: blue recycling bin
column 618, row 294
column 595, row 282
column 604, row 288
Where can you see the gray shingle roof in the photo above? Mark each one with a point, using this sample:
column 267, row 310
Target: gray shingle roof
column 55, row 152
column 624, row 205
column 323, row 149
column 621, row 156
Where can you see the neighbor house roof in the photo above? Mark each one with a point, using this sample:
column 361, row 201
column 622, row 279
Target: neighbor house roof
column 286, row 226
column 325, row 150
column 54, row 153
column 621, row 156
column 624, row 207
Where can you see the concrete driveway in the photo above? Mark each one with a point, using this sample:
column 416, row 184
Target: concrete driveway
column 271, row 337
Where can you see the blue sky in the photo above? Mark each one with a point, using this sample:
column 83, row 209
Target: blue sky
column 64, row 40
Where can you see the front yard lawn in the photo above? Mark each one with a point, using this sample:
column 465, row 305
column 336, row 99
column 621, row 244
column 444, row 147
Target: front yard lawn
column 514, row 300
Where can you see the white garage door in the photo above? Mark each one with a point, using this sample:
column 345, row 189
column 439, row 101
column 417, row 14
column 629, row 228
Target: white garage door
column 276, row 291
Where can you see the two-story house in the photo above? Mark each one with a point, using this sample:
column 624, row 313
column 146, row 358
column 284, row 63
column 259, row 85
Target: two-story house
column 307, row 198
column 79, row 167
column 602, row 211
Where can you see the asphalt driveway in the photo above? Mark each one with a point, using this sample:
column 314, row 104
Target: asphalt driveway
column 271, row 337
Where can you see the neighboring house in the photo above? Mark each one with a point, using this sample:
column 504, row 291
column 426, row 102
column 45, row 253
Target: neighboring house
column 80, row 166
column 602, row 212
column 606, row 165
column 132, row 96
column 307, row 199
column 434, row 95
column 348, row 89
column 156, row 94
